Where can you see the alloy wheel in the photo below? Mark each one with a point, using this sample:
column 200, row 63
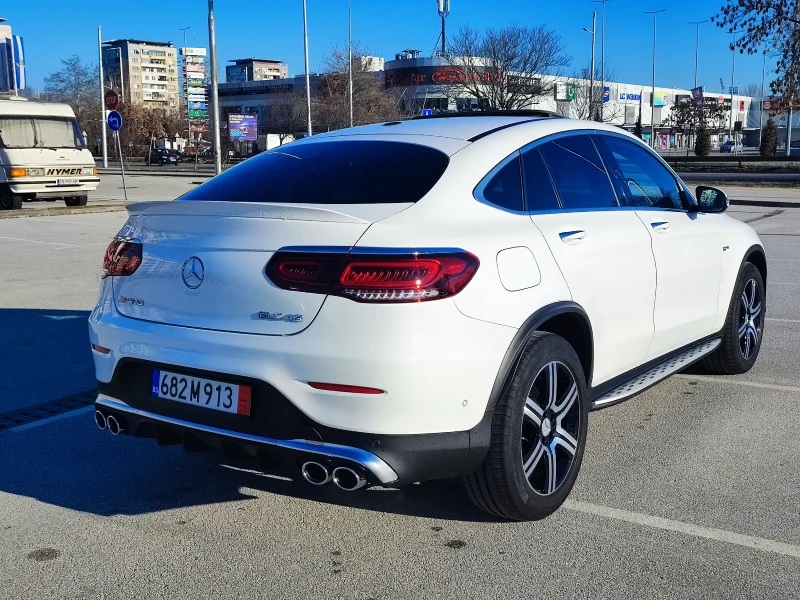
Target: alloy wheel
column 750, row 319
column 550, row 428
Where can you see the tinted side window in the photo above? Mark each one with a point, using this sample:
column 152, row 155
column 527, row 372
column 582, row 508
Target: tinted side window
column 330, row 172
column 505, row 187
column 645, row 181
column 578, row 174
column 539, row 192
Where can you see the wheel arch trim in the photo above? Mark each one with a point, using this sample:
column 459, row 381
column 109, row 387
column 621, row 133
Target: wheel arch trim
column 531, row 325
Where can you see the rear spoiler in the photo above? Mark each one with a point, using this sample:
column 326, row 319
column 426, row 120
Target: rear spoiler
column 255, row 210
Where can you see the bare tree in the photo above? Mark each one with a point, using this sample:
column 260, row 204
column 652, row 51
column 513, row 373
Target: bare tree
column 752, row 89
column 372, row 103
column 286, row 117
column 76, row 84
column 772, row 26
column 588, row 102
column 505, row 69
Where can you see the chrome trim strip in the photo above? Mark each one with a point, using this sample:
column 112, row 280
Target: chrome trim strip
column 383, row 472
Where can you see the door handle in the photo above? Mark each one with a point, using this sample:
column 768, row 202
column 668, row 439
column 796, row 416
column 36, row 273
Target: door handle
column 571, row 237
column 660, row 226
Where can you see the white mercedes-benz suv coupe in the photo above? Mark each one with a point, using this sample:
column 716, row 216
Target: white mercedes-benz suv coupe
column 439, row 297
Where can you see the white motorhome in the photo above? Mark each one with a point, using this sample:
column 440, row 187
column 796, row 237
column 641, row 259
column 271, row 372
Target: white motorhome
column 43, row 155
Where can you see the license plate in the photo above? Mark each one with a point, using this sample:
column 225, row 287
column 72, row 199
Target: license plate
column 67, row 181
column 216, row 395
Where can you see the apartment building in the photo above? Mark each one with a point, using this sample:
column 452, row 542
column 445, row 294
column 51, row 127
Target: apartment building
column 143, row 71
column 255, row 69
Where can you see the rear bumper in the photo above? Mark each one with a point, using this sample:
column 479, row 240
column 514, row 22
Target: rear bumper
column 382, row 460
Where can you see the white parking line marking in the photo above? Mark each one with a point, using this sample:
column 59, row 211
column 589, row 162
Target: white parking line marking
column 783, row 320
column 709, row 533
column 38, row 242
column 62, row 317
column 753, row 384
column 49, row 420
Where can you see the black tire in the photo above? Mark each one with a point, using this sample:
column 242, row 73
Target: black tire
column 732, row 356
column 9, row 201
column 76, row 201
column 500, row 486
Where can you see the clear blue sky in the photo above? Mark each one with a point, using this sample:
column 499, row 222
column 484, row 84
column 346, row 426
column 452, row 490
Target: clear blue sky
column 54, row 29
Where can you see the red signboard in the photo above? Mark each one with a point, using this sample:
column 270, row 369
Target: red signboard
column 111, row 100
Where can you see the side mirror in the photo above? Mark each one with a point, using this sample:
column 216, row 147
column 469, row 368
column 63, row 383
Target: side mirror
column 711, row 200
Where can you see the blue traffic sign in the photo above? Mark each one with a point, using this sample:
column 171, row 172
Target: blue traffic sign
column 114, row 121
column 427, row 112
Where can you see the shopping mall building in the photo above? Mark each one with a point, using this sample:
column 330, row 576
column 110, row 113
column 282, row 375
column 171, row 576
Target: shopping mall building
column 427, row 82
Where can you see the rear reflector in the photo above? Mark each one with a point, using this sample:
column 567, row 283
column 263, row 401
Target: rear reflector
column 122, row 258
column 100, row 349
column 349, row 389
column 375, row 277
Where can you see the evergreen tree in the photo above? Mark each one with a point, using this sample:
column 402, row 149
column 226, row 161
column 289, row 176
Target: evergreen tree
column 702, row 144
column 769, row 139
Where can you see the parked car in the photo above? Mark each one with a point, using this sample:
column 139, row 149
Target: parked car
column 729, row 146
column 162, row 156
column 407, row 301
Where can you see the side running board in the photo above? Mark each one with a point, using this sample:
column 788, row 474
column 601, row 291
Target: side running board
column 658, row 372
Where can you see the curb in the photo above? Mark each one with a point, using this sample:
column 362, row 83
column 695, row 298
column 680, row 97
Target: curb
column 134, row 173
column 66, row 210
column 766, row 203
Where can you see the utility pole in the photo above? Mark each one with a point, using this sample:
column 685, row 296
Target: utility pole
column 602, row 59
column 212, row 42
column 102, row 100
column 653, row 94
column 308, row 77
column 350, row 54
column 591, row 73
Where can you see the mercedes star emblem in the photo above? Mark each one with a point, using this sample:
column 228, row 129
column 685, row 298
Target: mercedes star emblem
column 193, row 272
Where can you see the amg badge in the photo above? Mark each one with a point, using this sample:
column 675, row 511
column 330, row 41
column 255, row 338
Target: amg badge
column 268, row 316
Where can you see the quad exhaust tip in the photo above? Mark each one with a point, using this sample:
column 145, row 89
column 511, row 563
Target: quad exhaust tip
column 100, row 419
column 114, row 426
column 347, row 479
column 315, row 473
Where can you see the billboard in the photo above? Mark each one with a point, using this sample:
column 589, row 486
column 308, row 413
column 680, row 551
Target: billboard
column 195, row 68
column 242, row 128
column 661, row 99
column 193, row 51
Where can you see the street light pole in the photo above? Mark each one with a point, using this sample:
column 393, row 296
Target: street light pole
column 591, row 72
column 653, row 93
column 308, row 77
column 212, row 42
column 102, row 100
column 350, row 54
column 761, row 108
column 602, row 58
column 733, row 76
column 697, row 48
column 185, row 87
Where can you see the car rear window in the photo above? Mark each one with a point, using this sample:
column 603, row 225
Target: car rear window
column 345, row 172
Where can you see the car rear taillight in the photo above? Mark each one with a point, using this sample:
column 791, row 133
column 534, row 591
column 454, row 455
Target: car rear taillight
column 122, row 258
column 377, row 276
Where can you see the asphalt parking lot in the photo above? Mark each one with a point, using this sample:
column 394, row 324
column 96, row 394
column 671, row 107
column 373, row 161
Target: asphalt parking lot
column 690, row 490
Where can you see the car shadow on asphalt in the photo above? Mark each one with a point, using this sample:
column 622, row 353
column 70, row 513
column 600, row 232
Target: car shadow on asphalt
column 44, row 355
column 72, row 464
